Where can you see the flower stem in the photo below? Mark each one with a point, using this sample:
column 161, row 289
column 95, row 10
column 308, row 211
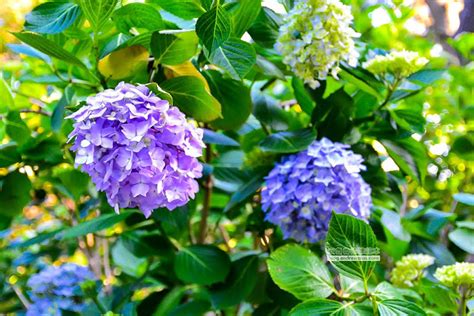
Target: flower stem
column 206, row 204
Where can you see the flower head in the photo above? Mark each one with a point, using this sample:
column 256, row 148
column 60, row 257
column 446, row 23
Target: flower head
column 409, row 269
column 57, row 288
column 138, row 149
column 460, row 273
column 398, row 63
column 315, row 36
column 303, row 189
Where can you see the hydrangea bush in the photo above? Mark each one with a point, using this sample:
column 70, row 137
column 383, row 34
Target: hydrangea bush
column 234, row 157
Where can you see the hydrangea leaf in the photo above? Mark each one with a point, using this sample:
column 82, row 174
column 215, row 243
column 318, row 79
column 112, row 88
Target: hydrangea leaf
column 235, row 56
column 113, row 67
column 246, row 13
column 185, row 9
column 299, row 271
column 214, row 27
column 137, row 15
column 348, row 235
column 202, row 264
column 190, row 95
column 321, row 307
column 288, row 142
column 399, row 307
column 98, row 12
column 14, row 193
column 173, row 49
column 51, row 17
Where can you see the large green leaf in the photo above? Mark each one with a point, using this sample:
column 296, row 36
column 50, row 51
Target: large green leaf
column 214, row 27
column 98, row 11
column 235, row 56
column 399, row 308
column 320, row 307
column 298, row 271
column 94, row 225
column 302, row 96
column 51, row 17
column 185, row 9
column 202, row 264
column 234, row 98
column 127, row 261
column 350, row 236
column 173, row 49
column 137, row 15
column 289, row 142
column 246, row 13
column 190, row 95
column 464, row 146
column 238, row 285
column 14, row 193
column 264, row 30
column 9, row 155
column 57, row 117
column 245, row 191
column 48, row 47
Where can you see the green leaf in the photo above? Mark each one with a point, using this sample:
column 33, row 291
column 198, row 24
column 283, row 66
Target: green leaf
column 195, row 307
column 94, row 225
column 211, row 137
column 235, row 56
column 17, row 129
column 37, row 239
column 6, row 97
column 427, row 76
column 298, row 271
column 185, row 9
column 190, row 95
column 75, row 182
column 137, row 15
column 238, row 285
column 202, row 264
column 51, row 17
column 48, row 47
column 14, row 193
column 264, row 31
column 410, row 156
column 464, row 198
column 246, row 13
column 245, row 190
column 156, row 89
column 98, row 12
column 350, row 236
column 214, row 27
column 321, row 307
column 288, row 142
column 173, row 49
column 234, row 98
column 393, row 223
column 57, row 117
column 464, row 147
column 463, row 237
column 127, row 261
column 359, row 83
column 9, row 155
column 399, row 308
column 302, row 96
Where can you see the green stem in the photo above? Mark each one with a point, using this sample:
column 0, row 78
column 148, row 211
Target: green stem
column 99, row 305
column 374, row 305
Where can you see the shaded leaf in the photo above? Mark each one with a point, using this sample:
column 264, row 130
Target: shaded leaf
column 214, row 27
column 235, row 56
column 51, row 17
column 288, row 142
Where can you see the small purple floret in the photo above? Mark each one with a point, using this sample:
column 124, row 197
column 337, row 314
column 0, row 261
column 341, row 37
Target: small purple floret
column 303, row 189
column 138, row 149
column 57, row 289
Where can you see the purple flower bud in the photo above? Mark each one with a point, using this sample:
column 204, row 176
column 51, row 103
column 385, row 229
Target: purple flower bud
column 57, row 288
column 303, row 189
column 138, row 149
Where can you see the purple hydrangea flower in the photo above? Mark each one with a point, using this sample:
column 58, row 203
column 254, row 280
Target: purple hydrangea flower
column 57, row 289
column 303, row 189
column 138, row 149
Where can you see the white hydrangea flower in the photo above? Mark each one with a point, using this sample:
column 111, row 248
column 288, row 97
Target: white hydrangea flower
column 410, row 268
column 398, row 63
column 315, row 36
column 456, row 274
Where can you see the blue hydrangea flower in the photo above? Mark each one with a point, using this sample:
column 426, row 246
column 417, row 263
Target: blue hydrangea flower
column 138, row 148
column 57, row 289
column 303, row 189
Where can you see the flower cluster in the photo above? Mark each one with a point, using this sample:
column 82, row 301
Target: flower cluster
column 303, row 189
column 315, row 36
column 138, row 149
column 57, row 289
column 400, row 64
column 409, row 269
column 460, row 273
